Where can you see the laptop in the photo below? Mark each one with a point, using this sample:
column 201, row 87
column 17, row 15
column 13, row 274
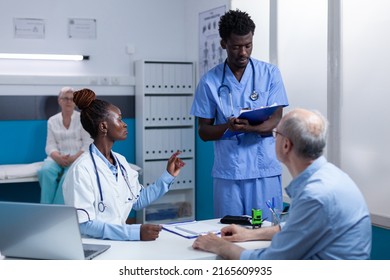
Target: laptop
column 43, row 231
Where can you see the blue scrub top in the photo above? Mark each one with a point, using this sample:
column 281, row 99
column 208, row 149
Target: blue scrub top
column 250, row 156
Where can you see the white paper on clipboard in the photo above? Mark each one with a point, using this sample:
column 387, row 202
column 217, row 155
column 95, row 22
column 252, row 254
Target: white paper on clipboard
column 191, row 229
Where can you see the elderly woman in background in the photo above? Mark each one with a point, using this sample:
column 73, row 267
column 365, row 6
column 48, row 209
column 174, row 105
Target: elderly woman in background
column 66, row 141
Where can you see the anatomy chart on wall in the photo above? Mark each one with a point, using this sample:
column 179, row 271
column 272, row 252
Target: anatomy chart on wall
column 210, row 51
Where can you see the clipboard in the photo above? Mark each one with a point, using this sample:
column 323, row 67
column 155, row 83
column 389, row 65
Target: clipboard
column 191, row 229
column 255, row 116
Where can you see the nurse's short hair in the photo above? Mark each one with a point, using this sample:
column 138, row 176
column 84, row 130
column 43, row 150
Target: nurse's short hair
column 236, row 22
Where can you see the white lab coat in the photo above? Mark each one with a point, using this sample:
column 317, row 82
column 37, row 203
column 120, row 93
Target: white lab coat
column 81, row 190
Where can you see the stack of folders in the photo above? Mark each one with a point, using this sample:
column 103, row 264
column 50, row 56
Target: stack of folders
column 192, row 229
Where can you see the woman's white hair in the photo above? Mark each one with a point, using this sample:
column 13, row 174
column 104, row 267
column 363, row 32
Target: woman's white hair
column 65, row 90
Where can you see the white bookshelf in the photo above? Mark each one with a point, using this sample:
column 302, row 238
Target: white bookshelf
column 164, row 94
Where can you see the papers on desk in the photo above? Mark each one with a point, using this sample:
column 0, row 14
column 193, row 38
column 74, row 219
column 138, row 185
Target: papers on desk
column 192, row 229
column 254, row 116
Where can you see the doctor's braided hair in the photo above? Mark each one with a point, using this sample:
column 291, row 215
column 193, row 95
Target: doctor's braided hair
column 236, row 22
column 93, row 110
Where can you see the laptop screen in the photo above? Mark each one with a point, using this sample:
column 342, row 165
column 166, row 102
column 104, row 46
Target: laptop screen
column 41, row 231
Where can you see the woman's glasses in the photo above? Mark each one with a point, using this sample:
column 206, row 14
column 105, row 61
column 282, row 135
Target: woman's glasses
column 66, row 99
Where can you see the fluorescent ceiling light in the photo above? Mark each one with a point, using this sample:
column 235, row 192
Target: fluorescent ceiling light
column 43, row 56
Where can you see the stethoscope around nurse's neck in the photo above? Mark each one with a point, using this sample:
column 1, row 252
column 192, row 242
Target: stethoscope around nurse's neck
column 101, row 205
column 253, row 96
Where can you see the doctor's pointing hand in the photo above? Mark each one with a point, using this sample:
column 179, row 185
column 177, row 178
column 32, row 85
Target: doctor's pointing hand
column 175, row 164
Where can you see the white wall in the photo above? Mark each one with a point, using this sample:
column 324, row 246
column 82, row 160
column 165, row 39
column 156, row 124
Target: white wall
column 302, row 55
column 302, row 52
column 193, row 8
column 259, row 10
column 156, row 29
column 153, row 27
column 304, row 60
column 365, row 113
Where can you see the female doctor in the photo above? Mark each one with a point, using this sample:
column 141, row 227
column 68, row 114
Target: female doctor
column 101, row 185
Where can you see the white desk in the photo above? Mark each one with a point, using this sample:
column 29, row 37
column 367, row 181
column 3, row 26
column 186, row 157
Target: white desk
column 168, row 246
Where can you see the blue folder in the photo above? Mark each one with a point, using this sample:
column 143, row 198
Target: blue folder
column 255, row 116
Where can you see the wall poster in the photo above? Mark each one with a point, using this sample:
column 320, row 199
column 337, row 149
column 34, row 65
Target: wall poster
column 29, row 28
column 210, row 51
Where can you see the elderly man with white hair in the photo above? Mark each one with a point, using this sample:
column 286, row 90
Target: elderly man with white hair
column 328, row 217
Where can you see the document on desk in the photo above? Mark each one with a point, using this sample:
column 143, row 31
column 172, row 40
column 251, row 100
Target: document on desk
column 191, row 229
column 254, row 117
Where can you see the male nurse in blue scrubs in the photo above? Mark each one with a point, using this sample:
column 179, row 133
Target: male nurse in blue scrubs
column 246, row 173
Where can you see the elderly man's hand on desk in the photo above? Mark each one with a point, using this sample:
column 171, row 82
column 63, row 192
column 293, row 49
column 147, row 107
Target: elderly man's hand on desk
column 214, row 244
column 235, row 233
column 224, row 247
column 150, row 232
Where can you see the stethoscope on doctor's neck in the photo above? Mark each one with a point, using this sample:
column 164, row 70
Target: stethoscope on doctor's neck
column 253, row 96
column 101, row 205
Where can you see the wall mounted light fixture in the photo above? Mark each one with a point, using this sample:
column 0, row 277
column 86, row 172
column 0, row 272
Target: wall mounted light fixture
column 44, row 56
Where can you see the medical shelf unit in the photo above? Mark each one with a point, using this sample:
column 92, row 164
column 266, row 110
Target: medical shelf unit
column 164, row 93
